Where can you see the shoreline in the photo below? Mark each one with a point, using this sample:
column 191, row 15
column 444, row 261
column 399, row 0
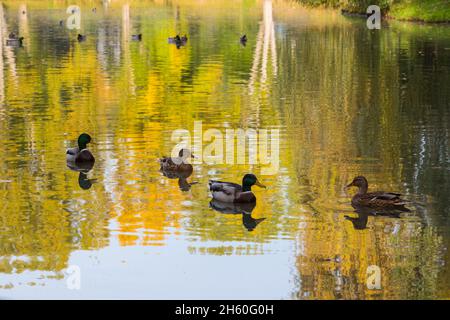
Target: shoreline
column 416, row 11
column 386, row 16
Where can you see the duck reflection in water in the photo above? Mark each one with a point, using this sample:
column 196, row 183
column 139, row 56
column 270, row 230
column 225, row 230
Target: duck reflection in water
column 245, row 209
column 360, row 222
column 181, row 176
column 83, row 181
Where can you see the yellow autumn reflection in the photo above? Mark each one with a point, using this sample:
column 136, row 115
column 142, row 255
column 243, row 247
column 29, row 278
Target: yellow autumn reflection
column 347, row 102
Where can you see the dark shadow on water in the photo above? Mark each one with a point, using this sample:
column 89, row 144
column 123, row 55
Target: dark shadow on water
column 182, row 176
column 83, row 181
column 360, row 222
column 245, row 209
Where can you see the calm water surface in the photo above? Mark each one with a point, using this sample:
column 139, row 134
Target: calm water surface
column 347, row 101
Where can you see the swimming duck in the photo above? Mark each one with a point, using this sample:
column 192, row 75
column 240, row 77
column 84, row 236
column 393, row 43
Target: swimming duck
column 232, row 192
column 136, row 37
column 178, row 41
column 178, row 163
column 14, row 41
column 377, row 199
column 81, row 155
column 81, row 37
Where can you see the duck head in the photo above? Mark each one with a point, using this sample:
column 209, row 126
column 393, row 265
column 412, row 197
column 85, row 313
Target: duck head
column 83, row 140
column 185, row 153
column 250, row 180
column 361, row 183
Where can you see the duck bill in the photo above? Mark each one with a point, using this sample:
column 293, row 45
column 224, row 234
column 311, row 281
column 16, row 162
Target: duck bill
column 259, row 184
column 349, row 185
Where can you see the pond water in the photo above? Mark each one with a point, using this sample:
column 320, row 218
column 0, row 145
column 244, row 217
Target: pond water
column 346, row 100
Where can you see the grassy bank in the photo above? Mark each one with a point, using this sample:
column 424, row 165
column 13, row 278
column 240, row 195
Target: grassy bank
column 415, row 10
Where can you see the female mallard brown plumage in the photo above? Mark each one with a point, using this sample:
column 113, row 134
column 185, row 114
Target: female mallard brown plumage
column 377, row 199
column 178, row 163
column 232, row 192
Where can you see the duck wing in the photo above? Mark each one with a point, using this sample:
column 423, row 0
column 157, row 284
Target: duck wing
column 381, row 195
column 225, row 187
column 385, row 200
column 84, row 156
column 72, row 151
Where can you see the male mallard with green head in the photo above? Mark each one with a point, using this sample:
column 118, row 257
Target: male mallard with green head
column 80, row 154
column 377, row 199
column 232, row 192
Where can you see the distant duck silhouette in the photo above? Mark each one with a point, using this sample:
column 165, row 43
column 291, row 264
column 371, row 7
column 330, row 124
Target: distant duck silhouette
column 80, row 155
column 233, row 192
column 136, row 37
column 179, row 163
column 14, row 41
column 178, row 41
column 81, row 38
column 245, row 209
column 375, row 200
column 243, row 40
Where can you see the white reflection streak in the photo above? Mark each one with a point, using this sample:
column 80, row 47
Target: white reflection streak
column 265, row 41
column 8, row 52
column 256, row 58
column 126, row 46
column 24, row 30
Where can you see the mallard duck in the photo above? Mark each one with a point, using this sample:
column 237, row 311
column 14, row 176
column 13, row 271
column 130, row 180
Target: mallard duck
column 81, row 38
column 175, row 39
column 178, row 163
column 243, row 39
column 232, row 192
column 178, row 41
column 80, row 155
column 136, row 37
column 245, row 209
column 14, row 41
column 377, row 199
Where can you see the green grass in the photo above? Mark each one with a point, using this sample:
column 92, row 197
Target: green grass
column 418, row 10
column 421, row 10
